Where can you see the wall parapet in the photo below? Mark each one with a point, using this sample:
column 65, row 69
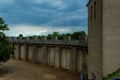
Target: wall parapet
column 48, row 42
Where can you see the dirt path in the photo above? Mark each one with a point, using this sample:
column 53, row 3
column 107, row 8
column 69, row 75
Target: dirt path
column 20, row 70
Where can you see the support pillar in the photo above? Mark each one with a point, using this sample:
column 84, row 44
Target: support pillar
column 57, row 57
column 79, row 60
column 73, row 60
column 23, row 51
column 44, row 51
column 84, row 62
column 34, row 53
column 16, row 51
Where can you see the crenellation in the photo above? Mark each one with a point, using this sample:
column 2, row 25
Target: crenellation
column 54, row 38
column 67, row 38
column 34, row 38
column 27, row 38
column 20, row 38
column 43, row 38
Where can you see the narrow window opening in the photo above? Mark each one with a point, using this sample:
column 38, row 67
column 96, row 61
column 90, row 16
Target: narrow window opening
column 95, row 9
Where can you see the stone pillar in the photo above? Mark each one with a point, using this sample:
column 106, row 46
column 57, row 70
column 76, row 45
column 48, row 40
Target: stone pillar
column 40, row 53
column 79, row 58
column 28, row 38
column 16, row 51
column 51, row 56
column 44, row 51
column 67, row 38
column 73, row 60
column 30, row 52
column 57, row 57
column 54, row 38
column 48, row 56
column 34, row 58
column 84, row 62
column 35, row 38
column 23, row 51
column 35, row 54
column 43, row 38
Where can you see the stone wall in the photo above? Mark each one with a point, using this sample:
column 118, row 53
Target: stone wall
column 111, row 36
column 64, row 54
column 95, row 39
column 103, row 39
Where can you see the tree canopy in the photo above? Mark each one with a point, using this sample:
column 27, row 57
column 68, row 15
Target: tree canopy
column 3, row 26
column 74, row 35
column 5, row 49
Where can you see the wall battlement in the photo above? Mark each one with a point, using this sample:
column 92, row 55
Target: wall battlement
column 65, row 42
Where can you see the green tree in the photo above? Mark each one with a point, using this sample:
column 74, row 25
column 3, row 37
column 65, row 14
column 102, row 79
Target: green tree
column 5, row 49
column 20, row 35
column 39, row 37
column 61, row 36
column 49, row 36
column 76, row 35
column 67, row 34
column 3, row 26
column 55, row 34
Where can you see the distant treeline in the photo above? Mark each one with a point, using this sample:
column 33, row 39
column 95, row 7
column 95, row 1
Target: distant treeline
column 74, row 35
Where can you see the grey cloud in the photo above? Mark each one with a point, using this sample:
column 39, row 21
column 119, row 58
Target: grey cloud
column 45, row 12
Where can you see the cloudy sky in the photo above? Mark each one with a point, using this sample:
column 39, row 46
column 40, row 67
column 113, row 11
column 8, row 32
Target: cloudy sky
column 41, row 17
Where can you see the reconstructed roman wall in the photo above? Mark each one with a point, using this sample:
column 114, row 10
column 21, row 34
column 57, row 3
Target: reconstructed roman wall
column 111, row 36
column 65, row 54
column 103, row 38
column 95, row 39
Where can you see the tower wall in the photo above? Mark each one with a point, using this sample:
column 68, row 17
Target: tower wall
column 111, row 36
column 104, row 37
column 95, row 39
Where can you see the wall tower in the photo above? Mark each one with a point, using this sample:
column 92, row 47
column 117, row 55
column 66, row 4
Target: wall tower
column 104, row 37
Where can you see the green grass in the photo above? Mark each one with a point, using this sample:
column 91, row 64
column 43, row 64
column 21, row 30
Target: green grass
column 113, row 75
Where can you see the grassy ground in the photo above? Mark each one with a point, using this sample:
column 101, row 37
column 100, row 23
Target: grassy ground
column 113, row 75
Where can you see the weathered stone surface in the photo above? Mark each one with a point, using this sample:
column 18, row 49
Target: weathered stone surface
column 65, row 57
column 17, row 51
column 111, row 36
column 95, row 40
column 23, row 52
column 103, row 40
column 73, row 60
column 57, row 57
column 57, row 53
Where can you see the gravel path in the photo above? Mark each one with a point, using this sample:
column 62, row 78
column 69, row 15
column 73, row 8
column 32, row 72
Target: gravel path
column 22, row 70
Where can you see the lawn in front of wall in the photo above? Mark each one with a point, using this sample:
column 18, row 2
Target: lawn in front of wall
column 112, row 75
